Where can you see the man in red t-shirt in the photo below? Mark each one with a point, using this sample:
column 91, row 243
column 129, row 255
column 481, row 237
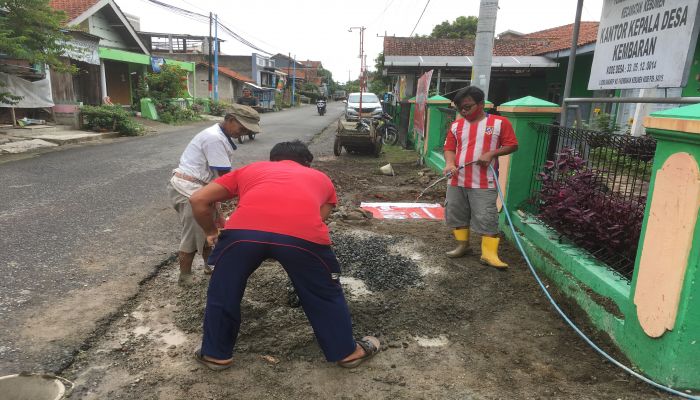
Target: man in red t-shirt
column 280, row 215
column 471, row 145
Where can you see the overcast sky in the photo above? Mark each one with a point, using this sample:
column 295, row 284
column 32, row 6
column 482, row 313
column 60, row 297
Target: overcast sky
column 318, row 29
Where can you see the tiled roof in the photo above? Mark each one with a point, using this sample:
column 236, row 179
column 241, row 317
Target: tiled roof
column 406, row 46
column 73, row 8
column 312, row 64
column 535, row 43
column 230, row 73
column 560, row 37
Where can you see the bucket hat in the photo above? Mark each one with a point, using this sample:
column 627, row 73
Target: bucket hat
column 247, row 116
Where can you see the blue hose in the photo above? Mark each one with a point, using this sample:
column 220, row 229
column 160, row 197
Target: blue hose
column 568, row 320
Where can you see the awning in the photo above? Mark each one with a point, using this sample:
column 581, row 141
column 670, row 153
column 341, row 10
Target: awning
column 466, row 62
column 138, row 58
column 258, row 87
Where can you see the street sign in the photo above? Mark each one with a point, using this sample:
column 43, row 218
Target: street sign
column 644, row 44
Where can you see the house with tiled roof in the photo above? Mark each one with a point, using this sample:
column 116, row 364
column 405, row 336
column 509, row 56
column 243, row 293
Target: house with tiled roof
column 119, row 58
column 231, row 83
column 522, row 64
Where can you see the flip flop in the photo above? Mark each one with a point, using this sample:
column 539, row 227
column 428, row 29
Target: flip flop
column 209, row 364
column 370, row 345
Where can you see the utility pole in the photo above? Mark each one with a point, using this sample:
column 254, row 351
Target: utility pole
column 483, row 48
column 209, row 81
column 362, row 61
column 216, row 57
column 294, row 78
column 570, row 65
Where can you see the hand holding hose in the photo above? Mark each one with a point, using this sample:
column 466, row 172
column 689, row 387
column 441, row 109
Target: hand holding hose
column 449, row 170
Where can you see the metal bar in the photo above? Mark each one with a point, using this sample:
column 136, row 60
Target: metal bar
column 572, row 60
column 659, row 100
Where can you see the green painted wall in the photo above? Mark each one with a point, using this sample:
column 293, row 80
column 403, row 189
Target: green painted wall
column 138, row 58
column 671, row 359
column 692, row 89
column 124, row 56
column 579, row 82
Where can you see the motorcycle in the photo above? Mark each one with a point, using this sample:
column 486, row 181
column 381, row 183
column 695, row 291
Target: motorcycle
column 387, row 129
column 321, row 107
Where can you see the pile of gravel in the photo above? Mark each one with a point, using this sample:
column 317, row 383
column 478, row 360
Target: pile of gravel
column 367, row 257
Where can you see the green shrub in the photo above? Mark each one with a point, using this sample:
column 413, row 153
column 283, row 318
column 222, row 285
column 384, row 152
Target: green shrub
column 130, row 127
column 280, row 102
column 218, row 108
column 110, row 118
column 171, row 113
column 169, row 83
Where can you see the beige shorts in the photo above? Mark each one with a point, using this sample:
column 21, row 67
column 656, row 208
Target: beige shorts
column 474, row 208
column 193, row 238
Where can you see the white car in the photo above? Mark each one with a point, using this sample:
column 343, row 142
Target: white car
column 371, row 106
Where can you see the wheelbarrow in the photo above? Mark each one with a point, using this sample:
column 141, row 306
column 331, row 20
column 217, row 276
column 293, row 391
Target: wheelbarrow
column 357, row 137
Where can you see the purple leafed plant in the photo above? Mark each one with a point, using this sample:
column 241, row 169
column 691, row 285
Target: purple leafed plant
column 575, row 201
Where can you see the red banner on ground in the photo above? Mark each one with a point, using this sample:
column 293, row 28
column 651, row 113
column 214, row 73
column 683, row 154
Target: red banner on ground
column 405, row 210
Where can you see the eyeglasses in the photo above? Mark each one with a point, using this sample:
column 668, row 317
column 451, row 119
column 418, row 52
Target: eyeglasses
column 467, row 107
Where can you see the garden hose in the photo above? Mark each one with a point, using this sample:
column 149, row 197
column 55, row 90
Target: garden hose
column 568, row 320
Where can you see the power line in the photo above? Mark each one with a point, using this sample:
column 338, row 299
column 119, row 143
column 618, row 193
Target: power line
column 188, row 3
column 205, row 18
column 421, row 17
column 382, row 13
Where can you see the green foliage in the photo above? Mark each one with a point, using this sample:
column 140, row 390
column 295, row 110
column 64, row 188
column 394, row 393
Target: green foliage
column 633, row 163
column 352, row 86
column 327, row 78
column 313, row 96
column 603, row 122
column 106, row 118
column 173, row 113
column 218, row 108
column 140, row 92
column 309, row 87
column 461, row 28
column 603, row 128
column 378, row 83
column 31, row 30
column 164, row 86
column 169, row 83
column 280, row 102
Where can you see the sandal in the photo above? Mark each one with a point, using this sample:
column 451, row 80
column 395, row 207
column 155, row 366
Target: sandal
column 370, row 345
column 210, row 364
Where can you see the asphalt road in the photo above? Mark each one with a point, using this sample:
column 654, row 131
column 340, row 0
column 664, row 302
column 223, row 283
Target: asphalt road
column 81, row 227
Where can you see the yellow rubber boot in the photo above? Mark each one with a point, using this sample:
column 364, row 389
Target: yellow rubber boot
column 489, row 252
column 462, row 249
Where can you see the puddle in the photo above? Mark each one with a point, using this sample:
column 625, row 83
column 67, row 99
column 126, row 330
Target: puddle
column 440, row 341
column 355, row 287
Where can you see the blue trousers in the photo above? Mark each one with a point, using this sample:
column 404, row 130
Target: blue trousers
column 309, row 266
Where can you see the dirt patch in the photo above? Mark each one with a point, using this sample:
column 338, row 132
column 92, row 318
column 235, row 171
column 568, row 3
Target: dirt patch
column 450, row 329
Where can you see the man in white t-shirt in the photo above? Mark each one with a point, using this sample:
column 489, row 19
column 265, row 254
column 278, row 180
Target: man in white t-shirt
column 208, row 156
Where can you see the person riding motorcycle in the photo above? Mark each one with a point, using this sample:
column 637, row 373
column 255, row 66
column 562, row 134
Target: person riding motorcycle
column 321, row 105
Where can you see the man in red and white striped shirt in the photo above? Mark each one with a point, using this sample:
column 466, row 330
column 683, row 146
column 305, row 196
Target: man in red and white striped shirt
column 475, row 142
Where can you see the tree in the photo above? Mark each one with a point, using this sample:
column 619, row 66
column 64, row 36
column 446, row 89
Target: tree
column 31, row 30
column 327, row 78
column 461, row 28
column 352, row 86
